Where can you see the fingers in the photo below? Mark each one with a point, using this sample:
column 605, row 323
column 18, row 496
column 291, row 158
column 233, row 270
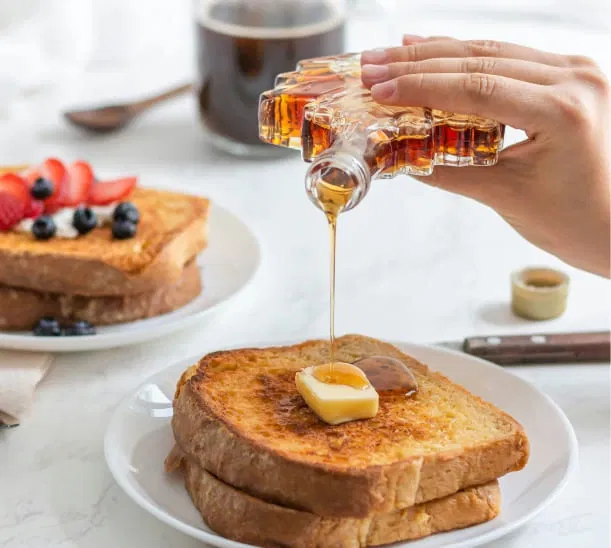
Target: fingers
column 447, row 47
column 522, row 105
column 413, row 38
column 526, row 71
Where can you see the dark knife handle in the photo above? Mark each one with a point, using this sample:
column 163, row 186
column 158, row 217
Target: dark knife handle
column 552, row 348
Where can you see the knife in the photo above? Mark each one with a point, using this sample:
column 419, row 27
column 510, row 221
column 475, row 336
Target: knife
column 592, row 347
column 7, row 422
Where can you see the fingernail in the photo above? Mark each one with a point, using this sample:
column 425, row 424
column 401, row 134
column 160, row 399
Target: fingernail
column 375, row 73
column 413, row 38
column 373, row 57
column 384, row 91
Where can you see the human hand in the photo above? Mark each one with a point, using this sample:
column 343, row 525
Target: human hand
column 554, row 187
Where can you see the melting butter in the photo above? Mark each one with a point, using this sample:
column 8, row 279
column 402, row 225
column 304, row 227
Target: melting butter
column 336, row 403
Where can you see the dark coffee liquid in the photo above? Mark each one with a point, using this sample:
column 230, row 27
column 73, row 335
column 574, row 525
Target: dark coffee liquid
column 241, row 48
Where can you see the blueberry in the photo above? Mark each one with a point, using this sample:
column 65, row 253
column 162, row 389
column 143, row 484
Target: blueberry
column 47, row 327
column 84, row 220
column 79, row 329
column 42, row 188
column 44, row 227
column 126, row 211
column 122, row 230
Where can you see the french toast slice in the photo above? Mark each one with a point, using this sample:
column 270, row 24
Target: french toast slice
column 239, row 516
column 20, row 309
column 238, row 415
column 171, row 232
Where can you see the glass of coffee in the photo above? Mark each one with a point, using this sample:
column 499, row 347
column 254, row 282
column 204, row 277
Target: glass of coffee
column 242, row 45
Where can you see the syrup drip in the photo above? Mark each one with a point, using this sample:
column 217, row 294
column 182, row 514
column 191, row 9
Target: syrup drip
column 341, row 373
column 333, row 196
column 388, row 374
column 384, row 373
column 333, row 240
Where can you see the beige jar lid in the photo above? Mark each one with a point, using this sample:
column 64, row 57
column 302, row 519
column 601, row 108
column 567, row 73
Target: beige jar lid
column 539, row 293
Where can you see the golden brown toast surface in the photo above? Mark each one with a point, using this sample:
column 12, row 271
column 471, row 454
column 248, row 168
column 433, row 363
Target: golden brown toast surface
column 238, row 415
column 236, row 515
column 20, row 309
column 171, row 230
column 253, row 393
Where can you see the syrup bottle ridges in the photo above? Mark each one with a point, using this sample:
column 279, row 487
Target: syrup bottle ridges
column 322, row 109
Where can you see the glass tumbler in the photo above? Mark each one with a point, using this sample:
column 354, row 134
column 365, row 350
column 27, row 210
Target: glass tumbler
column 241, row 46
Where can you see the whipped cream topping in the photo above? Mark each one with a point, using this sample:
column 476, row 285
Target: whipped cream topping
column 64, row 217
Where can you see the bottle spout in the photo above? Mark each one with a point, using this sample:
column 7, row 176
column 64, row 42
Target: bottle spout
column 337, row 182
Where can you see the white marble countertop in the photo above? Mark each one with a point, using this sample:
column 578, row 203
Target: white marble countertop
column 414, row 264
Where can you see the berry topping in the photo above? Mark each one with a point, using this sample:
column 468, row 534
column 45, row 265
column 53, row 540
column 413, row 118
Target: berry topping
column 47, row 327
column 30, row 175
column 122, row 230
column 84, row 220
column 44, row 228
column 78, row 184
column 14, row 200
column 104, row 193
column 11, row 211
column 12, row 183
column 126, row 211
column 35, row 209
column 79, row 329
column 55, row 171
column 42, row 188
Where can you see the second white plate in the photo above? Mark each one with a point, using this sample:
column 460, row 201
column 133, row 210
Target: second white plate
column 227, row 265
column 139, row 438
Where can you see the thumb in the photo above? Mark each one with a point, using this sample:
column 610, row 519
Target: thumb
column 496, row 186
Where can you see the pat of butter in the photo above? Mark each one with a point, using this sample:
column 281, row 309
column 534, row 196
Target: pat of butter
column 336, row 403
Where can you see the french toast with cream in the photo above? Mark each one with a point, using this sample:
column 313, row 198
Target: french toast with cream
column 238, row 416
column 171, row 232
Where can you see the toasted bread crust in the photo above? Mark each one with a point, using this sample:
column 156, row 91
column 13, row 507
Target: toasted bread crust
column 171, row 232
column 239, row 516
column 354, row 484
column 22, row 308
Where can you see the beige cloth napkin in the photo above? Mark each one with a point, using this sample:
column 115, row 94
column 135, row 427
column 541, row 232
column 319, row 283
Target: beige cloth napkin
column 20, row 373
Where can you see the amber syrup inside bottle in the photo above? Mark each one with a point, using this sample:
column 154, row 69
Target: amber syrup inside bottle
column 322, row 109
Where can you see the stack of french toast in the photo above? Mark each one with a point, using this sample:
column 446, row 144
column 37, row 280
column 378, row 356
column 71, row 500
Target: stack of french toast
column 262, row 468
column 76, row 249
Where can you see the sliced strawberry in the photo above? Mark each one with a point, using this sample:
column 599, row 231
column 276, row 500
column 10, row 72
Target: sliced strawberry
column 77, row 186
column 54, row 170
column 11, row 211
column 35, row 209
column 14, row 200
column 104, row 193
column 12, row 183
column 30, row 175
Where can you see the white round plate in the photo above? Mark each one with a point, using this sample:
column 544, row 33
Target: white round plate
column 139, row 438
column 227, row 265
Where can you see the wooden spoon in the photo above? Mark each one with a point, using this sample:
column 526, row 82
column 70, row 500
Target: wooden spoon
column 111, row 118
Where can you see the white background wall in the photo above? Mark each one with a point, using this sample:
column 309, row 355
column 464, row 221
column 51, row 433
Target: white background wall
column 49, row 47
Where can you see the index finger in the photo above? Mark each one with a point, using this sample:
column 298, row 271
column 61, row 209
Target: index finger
column 444, row 47
column 522, row 105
